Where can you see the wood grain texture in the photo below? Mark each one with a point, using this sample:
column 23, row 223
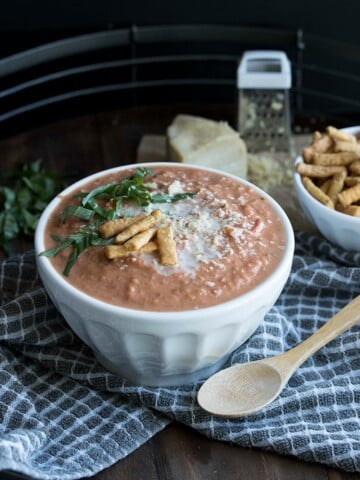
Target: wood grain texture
column 78, row 147
column 178, row 453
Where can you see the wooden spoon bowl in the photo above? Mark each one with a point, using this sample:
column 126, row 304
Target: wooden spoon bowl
column 247, row 388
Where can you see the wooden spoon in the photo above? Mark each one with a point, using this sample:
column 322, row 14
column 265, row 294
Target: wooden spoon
column 247, row 388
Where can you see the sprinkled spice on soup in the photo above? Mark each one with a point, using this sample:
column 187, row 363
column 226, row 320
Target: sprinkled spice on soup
column 165, row 239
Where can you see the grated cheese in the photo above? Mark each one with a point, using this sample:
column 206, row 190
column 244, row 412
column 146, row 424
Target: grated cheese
column 202, row 227
column 268, row 173
column 274, row 175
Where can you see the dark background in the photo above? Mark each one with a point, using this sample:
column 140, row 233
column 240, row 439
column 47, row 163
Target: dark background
column 25, row 22
column 326, row 62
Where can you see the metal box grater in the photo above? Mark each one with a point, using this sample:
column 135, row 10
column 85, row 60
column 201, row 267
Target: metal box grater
column 264, row 81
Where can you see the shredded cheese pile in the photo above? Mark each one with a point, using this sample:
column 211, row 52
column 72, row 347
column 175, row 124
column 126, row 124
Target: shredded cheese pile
column 268, row 173
column 274, row 175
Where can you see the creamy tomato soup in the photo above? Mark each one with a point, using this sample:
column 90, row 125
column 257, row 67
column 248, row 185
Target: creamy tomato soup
column 228, row 239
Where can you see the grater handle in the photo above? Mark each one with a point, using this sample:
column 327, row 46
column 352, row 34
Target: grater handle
column 264, row 69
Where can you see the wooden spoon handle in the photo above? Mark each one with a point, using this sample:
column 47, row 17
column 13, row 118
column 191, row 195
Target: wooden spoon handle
column 289, row 361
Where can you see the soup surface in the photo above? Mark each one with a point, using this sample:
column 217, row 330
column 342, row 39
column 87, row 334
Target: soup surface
column 228, row 239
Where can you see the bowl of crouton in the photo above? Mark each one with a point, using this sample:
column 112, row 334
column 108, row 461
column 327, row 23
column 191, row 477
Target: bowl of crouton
column 327, row 185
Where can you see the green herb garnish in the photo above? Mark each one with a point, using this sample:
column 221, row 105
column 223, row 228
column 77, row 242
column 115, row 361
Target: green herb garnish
column 22, row 201
column 79, row 241
column 165, row 198
column 131, row 188
column 92, row 210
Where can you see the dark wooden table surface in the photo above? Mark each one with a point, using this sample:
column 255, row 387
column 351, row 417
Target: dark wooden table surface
column 81, row 146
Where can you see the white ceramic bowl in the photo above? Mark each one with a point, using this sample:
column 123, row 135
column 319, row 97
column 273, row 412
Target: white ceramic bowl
column 162, row 348
column 341, row 229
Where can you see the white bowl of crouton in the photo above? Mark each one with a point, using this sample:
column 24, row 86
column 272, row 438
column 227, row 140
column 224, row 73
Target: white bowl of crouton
column 327, row 185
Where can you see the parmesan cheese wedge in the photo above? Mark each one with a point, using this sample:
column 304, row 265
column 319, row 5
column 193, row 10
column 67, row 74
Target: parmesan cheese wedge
column 200, row 141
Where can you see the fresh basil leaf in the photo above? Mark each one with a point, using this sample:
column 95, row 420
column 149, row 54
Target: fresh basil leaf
column 107, row 214
column 76, row 211
column 9, row 226
column 24, row 197
column 52, row 252
column 29, row 221
column 22, row 200
column 165, row 198
column 7, row 198
column 71, row 262
column 95, row 193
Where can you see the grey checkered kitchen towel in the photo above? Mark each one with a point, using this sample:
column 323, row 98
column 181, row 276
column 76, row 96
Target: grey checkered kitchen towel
column 62, row 416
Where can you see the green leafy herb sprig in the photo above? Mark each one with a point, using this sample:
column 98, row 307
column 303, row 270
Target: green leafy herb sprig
column 22, row 200
column 91, row 209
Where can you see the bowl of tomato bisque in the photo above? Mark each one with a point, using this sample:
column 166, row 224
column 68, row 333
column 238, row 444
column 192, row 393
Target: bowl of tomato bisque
column 163, row 269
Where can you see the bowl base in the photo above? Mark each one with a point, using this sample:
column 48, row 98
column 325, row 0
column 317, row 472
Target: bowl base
column 159, row 380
